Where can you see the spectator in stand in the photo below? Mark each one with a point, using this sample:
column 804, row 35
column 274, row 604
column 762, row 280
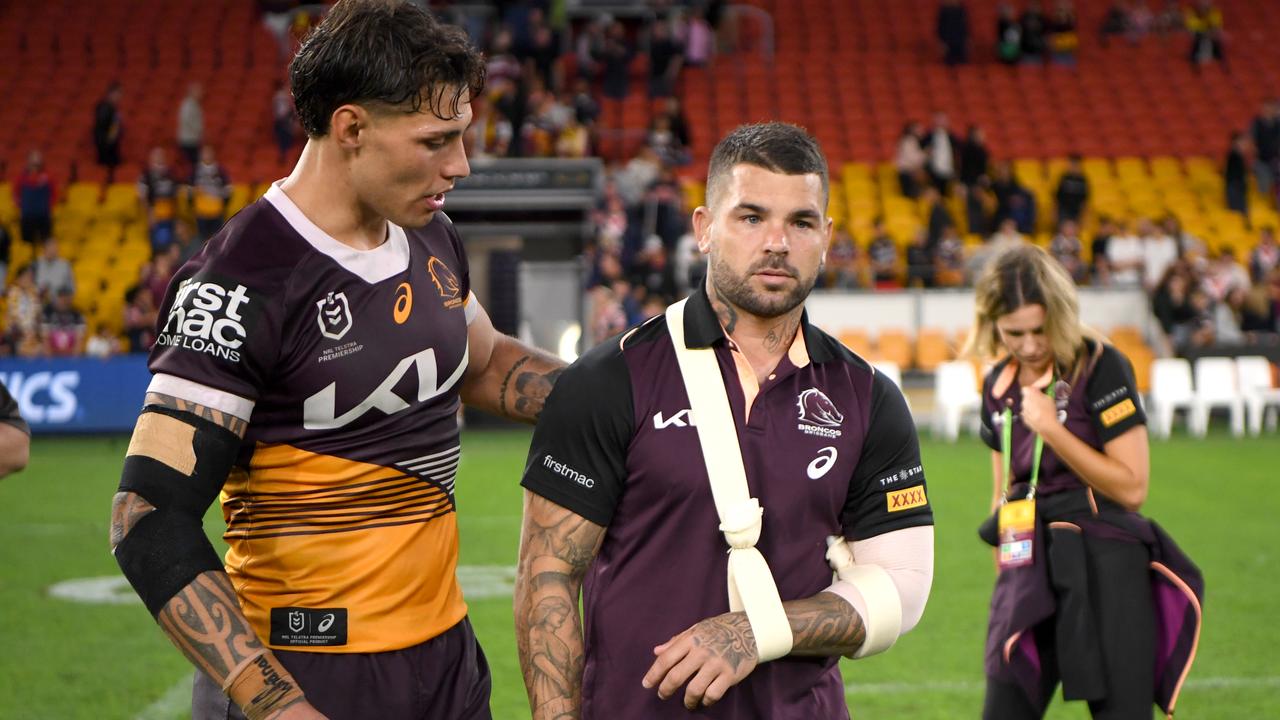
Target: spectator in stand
column 108, row 127
column 1073, row 191
column 980, row 206
column 543, row 124
column 1013, row 200
column 638, row 174
column 503, row 64
column 1005, row 237
column 542, row 52
column 1159, row 251
column 1008, row 35
column 1236, row 175
column 665, row 143
column 666, row 57
column 939, row 219
column 920, row 266
column 1125, row 259
column 1101, row 269
column 586, row 108
column 490, row 133
column 1167, row 21
column 35, row 195
column 158, row 193
column 208, row 193
column 6, row 250
column 948, row 260
column 1200, row 331
column 1266, row 144
column 1034, row 27
column 1188, row 245
column 1257, row 314
column 1171, row 302
column 953, row 32
column 1063, row 38
column 974, row 157
column 672, row 108
column 102, row 343
column 616, row 57
column 886, row 264
column 944, row 153
column 140, row 317
column 191, row 125
column 22, row 314
column 574, row 141
column 699, row 40
column 1204, row 22
column 1067, row 249
column 911, row 160
column 1225, row 274
column 1142, row 20
column 1115, row 22
column 282, row 120
column 588, row 49
column 163, row 267
column 62, row 326
column 842, row 269
column 52, row 271
column 1265, row 258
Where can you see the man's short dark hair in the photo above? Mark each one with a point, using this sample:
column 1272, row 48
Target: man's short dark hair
column 777, row 147
column 382, row 52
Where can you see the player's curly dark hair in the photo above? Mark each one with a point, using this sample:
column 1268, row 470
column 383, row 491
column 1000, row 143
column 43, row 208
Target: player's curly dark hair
column 775, row 146
column 386, row 53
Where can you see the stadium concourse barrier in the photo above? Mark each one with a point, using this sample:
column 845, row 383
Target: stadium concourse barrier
column 78, row 395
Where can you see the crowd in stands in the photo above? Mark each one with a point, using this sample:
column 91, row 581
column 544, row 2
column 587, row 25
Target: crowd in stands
column 1035, row 35
column 542, row 102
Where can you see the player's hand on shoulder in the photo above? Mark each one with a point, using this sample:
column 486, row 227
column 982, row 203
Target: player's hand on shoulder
column 298, row 711
column 711, row 657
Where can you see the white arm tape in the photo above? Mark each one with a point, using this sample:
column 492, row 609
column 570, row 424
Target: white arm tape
column 888, row 585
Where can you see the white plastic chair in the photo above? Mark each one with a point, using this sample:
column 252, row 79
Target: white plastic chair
column 1171, row 389
column 1216, row 387
column 894, row 373
column 955, row 394
column 1254, row 373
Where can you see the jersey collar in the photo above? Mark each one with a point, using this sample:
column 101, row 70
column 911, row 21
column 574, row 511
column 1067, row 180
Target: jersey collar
column 702, row 329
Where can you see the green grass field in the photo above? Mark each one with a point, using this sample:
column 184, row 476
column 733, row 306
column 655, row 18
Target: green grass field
column 65, row 658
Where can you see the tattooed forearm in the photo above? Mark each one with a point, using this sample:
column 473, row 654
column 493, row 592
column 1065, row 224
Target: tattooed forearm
column 532, row 389
column 217, row 417
column 506, row 380
column 824, row 625
column 127, row 509
column 556, row 548
column 516, row 381
column 206, row 623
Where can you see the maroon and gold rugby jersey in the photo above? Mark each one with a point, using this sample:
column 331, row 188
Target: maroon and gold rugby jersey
column 347, row 364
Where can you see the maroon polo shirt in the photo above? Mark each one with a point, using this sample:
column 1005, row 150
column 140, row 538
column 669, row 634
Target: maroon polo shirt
column 829, row 448
column 1099, row 405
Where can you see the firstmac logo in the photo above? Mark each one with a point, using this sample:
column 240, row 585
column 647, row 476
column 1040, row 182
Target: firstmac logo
column 563, row 470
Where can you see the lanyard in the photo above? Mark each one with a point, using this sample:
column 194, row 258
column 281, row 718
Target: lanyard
column 1006, row 449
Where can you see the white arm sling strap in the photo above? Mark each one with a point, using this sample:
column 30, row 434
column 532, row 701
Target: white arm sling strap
column 751, row 585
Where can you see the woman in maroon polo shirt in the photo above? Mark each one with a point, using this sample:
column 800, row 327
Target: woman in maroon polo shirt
column 1089, row 593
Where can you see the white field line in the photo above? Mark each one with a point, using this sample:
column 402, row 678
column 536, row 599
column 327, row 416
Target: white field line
column 173, row 703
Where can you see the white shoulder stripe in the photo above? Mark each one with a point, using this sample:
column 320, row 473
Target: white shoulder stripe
column 201, row 395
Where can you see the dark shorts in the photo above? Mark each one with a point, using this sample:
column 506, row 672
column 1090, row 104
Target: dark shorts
column 444, row 678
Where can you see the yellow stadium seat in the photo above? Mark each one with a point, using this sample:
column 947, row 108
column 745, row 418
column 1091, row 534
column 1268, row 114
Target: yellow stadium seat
column 121, row 202
column 8, row 210
column 894, row 346
column 931, row 350
column 857, row 341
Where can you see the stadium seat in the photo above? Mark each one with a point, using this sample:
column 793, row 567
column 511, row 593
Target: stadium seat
column 931, row 350
column 1171, row 389
column 894, row 347
column 1216, row 387
column 955, row 395
column 1260, row 394
column 857, row 341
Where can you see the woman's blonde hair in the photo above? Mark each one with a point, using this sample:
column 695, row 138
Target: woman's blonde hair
column 1021, row 276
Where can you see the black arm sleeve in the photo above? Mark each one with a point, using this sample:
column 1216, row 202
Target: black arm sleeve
column 1115, row 405
column 9, row 413
column 167, row 548
column 578, row 457
column 887, row 490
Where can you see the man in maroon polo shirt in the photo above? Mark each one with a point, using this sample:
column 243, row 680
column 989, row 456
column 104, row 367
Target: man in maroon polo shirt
column 619, row 507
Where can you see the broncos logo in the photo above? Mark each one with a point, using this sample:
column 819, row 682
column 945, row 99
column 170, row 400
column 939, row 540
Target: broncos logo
column 446, row 282
column 817, row 409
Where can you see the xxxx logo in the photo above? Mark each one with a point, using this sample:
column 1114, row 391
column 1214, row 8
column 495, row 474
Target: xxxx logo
column 906, row 499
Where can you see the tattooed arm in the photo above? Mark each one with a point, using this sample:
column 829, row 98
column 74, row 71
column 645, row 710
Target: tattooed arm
column 556, row 547
column 204, row 619
column 720, row 652
column 505, row 376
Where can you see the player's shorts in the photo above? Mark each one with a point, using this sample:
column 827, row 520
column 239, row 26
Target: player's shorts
column 444, row 678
